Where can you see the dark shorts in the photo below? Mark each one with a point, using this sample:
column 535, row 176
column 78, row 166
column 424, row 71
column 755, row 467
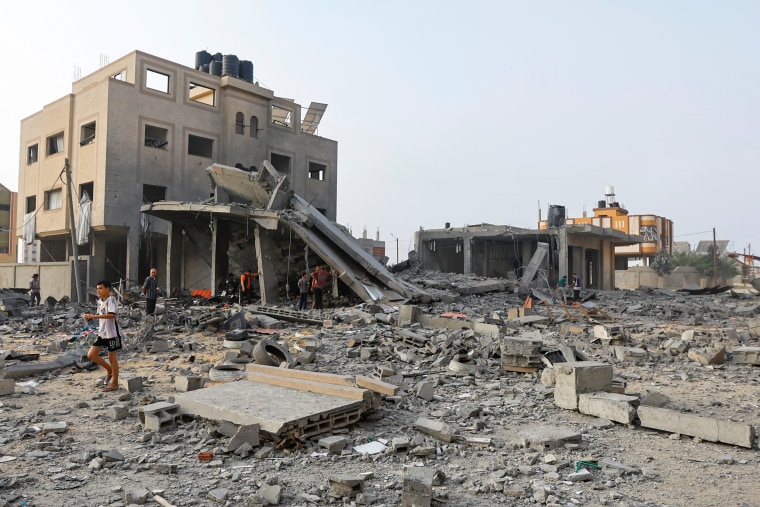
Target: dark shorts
column 112, row 344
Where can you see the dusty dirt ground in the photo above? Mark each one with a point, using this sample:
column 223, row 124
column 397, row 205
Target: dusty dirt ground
column 101, row 461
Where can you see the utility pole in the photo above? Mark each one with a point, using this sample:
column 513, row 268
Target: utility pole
column 73, row 230
column 715, row 261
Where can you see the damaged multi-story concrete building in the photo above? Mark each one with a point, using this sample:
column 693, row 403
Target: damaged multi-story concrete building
column 143, row 129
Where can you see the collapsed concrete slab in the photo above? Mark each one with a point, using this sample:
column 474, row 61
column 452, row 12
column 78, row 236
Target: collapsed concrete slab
column 263, row 198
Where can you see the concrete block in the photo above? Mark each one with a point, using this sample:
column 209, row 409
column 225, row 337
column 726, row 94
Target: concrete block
column 334, row 444
column 158, row 346
column 131, row 384
column 754, row 327
column 7, row 386
column 578, row 377
column 740, row 355
column 547, row 437
column 407, row 314
column 118, row 412
column 418, row 487
column 615, row 407
column 400, row 444
column 425, row 390
column 706, row 428
column 158, row 416
column 631, row 354
column 711, row 355
column 189, row 383
column 437, row 429
column 342, row 485
column 246, row 434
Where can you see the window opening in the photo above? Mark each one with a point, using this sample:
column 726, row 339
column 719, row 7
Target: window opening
column 86, row 188
column 53, row 199
column 55, row 144
column 280, row 162
column 255, row 127
column 153, row 193
column 156, row 137
column 317, row 171
column 200, row 146
column 157, row 81
column 239, row 123
column 88, row 134
column 31, row 203
column 121, row 76
column 199, row 93
column 32, row 154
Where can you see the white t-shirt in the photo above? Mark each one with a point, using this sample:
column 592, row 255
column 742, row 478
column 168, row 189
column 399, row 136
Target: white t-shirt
column 107, row 327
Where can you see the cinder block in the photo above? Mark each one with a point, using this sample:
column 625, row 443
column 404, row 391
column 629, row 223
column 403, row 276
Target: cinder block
column 189, row 383
column 158, row 416
column 407, row 314
column 246, row 434
column 418, row 487
column 706, row 428
column 578, row 377
column 7, row 386
column 118, row 412
column 437, row 429
column 615, row 407
column 131, row 384
column 334, row 444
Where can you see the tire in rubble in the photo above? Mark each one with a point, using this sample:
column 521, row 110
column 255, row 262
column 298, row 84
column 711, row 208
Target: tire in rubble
column 226, row 373
column 271, row 353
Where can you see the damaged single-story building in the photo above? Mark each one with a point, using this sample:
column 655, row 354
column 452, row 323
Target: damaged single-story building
column 503, row 251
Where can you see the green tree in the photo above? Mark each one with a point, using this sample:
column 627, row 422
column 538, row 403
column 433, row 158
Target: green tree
column 663, row 263
column 726, row 267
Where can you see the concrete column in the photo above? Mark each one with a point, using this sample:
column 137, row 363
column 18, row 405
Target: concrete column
column 467, row 252
column 564, row 269
column 220, row 245
column 133, row 252
column 174, row 259
column 265, row 252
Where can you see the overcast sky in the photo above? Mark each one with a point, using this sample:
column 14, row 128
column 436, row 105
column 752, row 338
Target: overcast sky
column 460, row 112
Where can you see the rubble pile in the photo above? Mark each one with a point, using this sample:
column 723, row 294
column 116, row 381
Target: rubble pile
column 483, row 397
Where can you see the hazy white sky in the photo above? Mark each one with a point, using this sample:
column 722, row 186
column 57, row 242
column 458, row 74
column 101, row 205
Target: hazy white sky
column 460, row 112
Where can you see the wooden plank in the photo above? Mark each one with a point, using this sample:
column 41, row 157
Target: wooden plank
column 325, row 378
column 548, row 309
column 350, row 393
column 377, row 385
column 564, row 307
column 519, row 369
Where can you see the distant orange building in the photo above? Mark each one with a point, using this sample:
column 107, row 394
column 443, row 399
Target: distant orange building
column 656, row 231
column 7, row 225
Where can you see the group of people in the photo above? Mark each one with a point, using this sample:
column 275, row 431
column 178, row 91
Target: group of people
column 316, row 281
column 574, row 284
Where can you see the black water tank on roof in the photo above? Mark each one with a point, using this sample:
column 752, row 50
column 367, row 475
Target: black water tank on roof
column 601, row 204
column 556, row 216
column 205, row 68
column 230, row 65
column 202, row 58
column 215, row 68
column 216, row 57
column 246, row 70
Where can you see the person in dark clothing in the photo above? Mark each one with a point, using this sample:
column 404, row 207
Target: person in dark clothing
column 150, row 291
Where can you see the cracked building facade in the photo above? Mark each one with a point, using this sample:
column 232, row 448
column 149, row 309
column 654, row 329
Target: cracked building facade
column 143, row 129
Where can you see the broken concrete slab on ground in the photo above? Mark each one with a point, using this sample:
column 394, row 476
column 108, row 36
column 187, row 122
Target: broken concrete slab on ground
column 263, row 199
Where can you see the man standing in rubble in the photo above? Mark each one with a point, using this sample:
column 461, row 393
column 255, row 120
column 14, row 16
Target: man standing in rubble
column 319, row 278
column 150, row 291
column 34, row 289
column 246, row 286
column 576, row 288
